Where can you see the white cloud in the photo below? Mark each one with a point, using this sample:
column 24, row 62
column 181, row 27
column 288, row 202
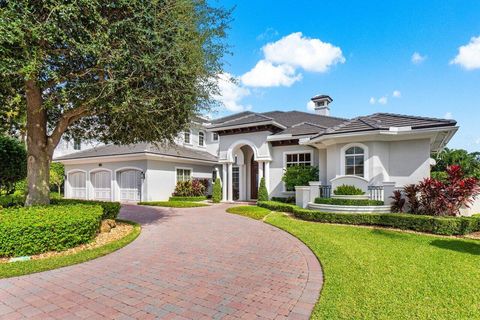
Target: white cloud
column 373, row 100
column 267, row 34
column 282, row 58
column 230, row 93
column 397, row 94
column 266, row 74
column 310, row 54
column 310, row 106
column 383, row 100
column 448, row 115
column 469, row 55
column 417, row 58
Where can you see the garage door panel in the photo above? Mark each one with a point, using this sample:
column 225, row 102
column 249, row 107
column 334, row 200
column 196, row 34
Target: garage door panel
column 130, row 185
column 102, row 182
column 78, row 185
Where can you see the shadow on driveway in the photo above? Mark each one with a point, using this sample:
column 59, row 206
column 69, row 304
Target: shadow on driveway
column 145, row 216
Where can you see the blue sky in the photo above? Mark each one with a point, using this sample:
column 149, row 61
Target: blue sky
column 361, row 53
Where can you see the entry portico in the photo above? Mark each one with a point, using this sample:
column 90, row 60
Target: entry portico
column 244, row 163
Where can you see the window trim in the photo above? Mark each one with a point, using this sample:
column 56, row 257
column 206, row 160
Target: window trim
column 189, row 137
column 343, row 151
column 203, row 139
column 183, row 168
column 285, row 153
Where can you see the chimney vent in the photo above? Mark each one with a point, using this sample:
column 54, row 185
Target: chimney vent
column 322, row 103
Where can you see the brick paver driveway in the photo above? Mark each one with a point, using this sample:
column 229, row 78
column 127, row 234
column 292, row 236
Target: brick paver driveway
column 198, row 263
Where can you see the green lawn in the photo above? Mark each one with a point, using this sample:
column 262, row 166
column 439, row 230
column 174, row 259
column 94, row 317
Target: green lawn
column 253, row 212
column 380, row 274
column 174, row 204
column 21, row 268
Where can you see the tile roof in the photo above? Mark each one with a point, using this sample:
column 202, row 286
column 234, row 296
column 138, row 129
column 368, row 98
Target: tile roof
column 141, row 148
column 383, row 121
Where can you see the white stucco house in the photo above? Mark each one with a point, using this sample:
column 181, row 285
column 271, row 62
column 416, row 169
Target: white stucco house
column 367, row 151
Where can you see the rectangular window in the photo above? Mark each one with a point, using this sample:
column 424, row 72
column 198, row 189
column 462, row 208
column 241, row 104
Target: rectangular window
column 184, row 175
column 298, row 159
column 215, row 136
column 77, row 144
column 214, row 175
column 186, row 137
column 201, row 139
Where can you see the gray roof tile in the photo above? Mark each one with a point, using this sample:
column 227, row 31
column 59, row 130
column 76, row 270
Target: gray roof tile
column 141, row 148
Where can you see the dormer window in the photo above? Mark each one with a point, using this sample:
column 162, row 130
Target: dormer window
column 186, row 137
column 215, row 136
column 77, row 144
column 201, row 139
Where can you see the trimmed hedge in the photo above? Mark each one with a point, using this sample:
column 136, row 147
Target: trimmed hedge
column 421, row 223
column 12, row 201
column 284, row 199
column 34, row 230
column 348, row 190
column 177, row 198
column 349, row 202
column 110, row 209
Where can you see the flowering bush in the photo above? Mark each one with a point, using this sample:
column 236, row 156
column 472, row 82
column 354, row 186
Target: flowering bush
column 435, row 197
column 191, row 188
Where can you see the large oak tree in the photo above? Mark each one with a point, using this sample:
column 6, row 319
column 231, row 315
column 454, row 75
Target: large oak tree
column 122, row 71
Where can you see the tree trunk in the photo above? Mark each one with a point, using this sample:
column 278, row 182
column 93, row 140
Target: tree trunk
column 39, row 155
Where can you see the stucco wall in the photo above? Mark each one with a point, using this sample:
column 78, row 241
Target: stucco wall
column 257, row 140
column 161, row 177
column 277, row 167
column 402, row 162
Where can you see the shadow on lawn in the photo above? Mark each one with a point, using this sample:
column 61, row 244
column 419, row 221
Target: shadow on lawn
column 457, row 245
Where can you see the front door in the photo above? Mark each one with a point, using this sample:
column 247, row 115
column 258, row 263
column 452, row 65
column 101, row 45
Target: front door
column 254, row 179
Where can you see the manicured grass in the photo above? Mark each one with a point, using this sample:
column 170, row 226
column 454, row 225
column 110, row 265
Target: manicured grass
column 380, row 274
column 174, row 204
column 22, row 268
column 253, row 212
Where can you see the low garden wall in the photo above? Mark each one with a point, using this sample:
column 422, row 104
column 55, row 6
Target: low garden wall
column 349, row 208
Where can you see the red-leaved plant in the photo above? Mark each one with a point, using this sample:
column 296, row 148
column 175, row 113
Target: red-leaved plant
column 435, row 197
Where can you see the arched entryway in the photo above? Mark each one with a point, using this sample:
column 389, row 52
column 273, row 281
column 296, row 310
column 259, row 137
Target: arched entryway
column 242, row 174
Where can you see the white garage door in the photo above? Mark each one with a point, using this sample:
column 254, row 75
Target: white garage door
column 130, row 185
column 101, row 181
column 78, row 185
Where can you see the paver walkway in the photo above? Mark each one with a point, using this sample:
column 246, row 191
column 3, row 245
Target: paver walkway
column 198, row 263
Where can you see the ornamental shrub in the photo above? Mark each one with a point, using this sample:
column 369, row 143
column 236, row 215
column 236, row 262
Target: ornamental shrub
column 299, row 176
column 13, row 162
column 284, row 199
column 190, row 188
column 262, row 191
column 439, row 198
column 110, row 209
column 217, row 191
column 405, row 221
column 349, row 202
column 12, row 200
column 34, row 230
column 348, row 190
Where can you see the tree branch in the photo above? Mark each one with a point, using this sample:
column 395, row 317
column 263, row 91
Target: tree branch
column 65, row 121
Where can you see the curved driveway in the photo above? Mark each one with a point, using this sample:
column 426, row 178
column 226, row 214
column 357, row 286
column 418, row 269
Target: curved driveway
column 198, row 263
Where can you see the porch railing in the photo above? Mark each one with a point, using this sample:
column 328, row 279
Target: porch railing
column 374, row 192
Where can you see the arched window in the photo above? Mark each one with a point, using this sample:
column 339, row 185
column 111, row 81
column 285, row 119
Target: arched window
column 201, row 139
column 355, row 161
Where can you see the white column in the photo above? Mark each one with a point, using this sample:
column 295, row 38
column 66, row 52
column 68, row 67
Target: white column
column 224, row 182
column 230, row 182
column 260, row 172
column 112, row 186
column 241, row 182
column 267, row 176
